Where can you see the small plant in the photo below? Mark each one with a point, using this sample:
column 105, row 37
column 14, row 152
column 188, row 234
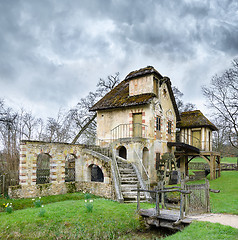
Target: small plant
column 89, row 205
column 87, row 196
column 42, row 211
column 8, row 207
column 37, row 202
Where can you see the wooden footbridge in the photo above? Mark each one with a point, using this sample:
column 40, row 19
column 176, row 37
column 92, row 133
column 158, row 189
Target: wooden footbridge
column 194, row 199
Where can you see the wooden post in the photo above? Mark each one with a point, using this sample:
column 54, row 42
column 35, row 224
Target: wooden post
column 212, row 168
column 219, row 166
column 138, row 197
column 162, row 195
column 207, row 195
column 182, row 200
column 157, row 211
column 186, row 204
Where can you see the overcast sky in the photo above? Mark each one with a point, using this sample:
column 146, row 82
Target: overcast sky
column 53, row 52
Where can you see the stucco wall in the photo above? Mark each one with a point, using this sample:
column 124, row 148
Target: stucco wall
column 141, row 85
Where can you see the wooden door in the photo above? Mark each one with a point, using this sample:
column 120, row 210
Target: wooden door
column 137, row 125
column 196, row 138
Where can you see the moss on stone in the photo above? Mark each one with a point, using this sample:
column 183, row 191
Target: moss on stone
column 43, row 187
column 16, row 187
column 71, row 187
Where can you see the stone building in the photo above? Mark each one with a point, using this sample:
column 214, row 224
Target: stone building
column 138, row 118
column 137, row 125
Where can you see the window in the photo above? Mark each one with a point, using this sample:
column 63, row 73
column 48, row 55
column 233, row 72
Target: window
column 158, row 123
column 169, row 127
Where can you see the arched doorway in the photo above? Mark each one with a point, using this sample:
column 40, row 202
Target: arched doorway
column 43, row 168
column 70, row 168
column 122, row 152
column 145, row 161
column 96, row 173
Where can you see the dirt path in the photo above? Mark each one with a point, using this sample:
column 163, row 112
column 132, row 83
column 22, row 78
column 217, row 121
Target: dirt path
column 224, row 219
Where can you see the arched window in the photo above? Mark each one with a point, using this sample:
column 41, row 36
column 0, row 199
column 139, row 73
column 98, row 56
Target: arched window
column 70, row 168
column 43, row 168
column 122, row 152
column 96, row 173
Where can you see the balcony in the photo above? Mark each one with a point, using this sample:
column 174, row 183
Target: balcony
column 132, row 130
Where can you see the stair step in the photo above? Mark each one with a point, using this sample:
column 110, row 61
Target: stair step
column 131, row 186
column 123, row 176
column 129, row 178
column 131, row 194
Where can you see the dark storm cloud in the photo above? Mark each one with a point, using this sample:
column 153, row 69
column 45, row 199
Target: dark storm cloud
column 56, row 50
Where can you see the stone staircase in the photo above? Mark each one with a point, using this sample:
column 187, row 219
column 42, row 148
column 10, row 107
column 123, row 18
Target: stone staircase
column 128, row 180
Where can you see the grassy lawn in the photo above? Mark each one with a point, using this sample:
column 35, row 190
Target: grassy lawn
column 28, row 203
column 70, row 220
column 227, row 200
column 223, row 160
column 108, row 220
column 205, row 230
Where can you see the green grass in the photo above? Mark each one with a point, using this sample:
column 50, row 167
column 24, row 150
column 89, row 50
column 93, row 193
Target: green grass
column 205, row 230
column 27, row 202
column 70, row 220
column 229, row 160
column 227, row 200
column 223, row 160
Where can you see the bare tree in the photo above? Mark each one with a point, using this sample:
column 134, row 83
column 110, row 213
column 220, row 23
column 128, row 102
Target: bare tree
column 84, row 119
column 222, row 97
column 182, row 107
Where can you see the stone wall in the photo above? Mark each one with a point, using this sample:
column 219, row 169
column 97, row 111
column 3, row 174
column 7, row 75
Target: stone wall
column 58, row 152
column 33, row 191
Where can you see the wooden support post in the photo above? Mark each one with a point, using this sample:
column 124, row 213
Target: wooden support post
column 181, row 216
column 138, row 197
column 212, row 167
column 219, row 166
column 157, row 211
column 207, row 195
column 182, row 167
column 186, row 202
column 162, row 195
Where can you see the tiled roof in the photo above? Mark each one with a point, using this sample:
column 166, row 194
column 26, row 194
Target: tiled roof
column 194, row 119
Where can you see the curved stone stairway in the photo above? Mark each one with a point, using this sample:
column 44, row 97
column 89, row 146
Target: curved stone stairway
column 128, row 175
column 128, row 180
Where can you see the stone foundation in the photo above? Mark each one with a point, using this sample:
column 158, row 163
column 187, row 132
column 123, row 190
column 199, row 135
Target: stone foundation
column 33, row 191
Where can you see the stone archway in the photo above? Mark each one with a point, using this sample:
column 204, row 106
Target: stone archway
column 96, row 173
column 70, row 167
column 43, row 168
column 145, row 161
column 122, row 152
